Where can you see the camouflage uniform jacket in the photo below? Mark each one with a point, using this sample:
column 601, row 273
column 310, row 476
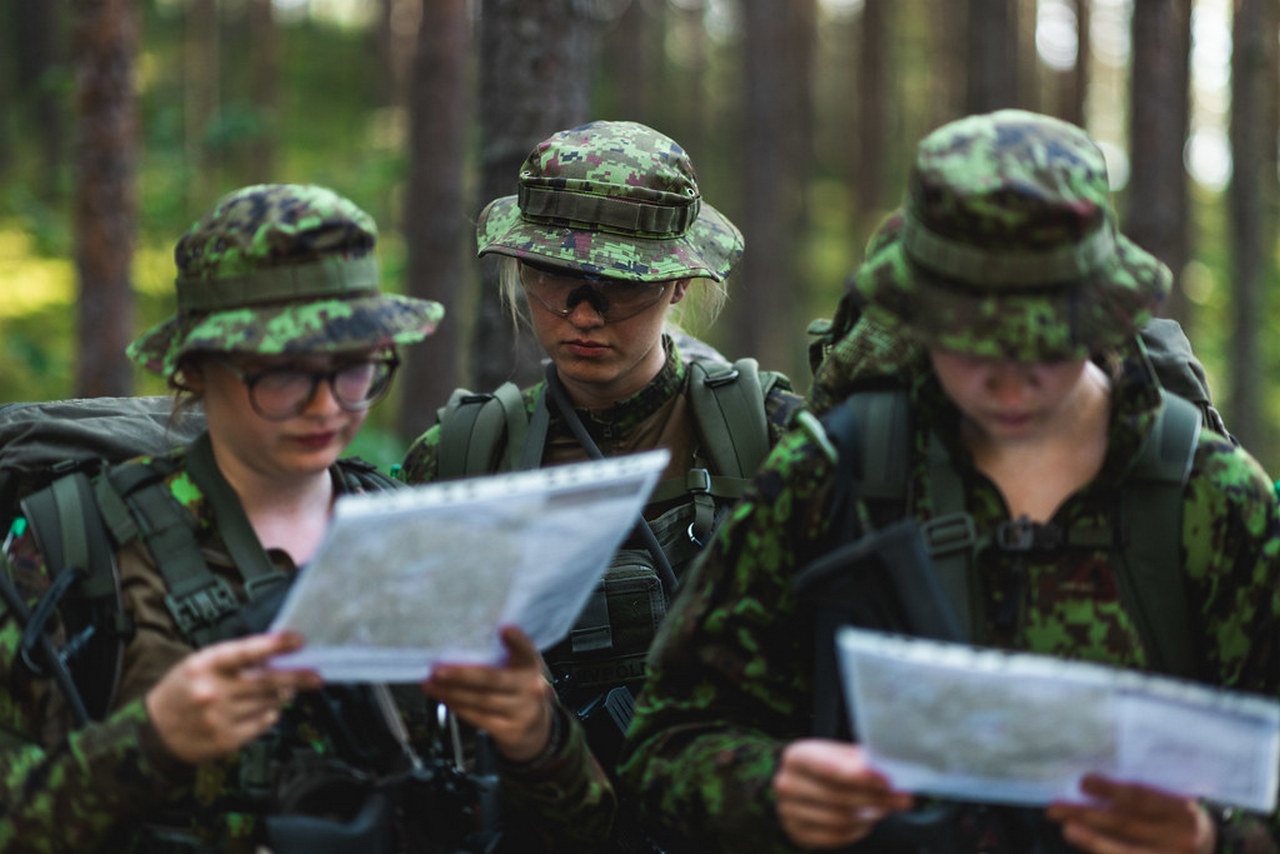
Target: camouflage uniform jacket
column 659, row 415
column 732, row 668
column 91, row 789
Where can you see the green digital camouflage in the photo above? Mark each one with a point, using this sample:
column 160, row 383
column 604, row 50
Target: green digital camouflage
column 612, row 199
column 1006, row 246
column 734, row 673
column 281, row 268
column 94, row 788
column 732, row 668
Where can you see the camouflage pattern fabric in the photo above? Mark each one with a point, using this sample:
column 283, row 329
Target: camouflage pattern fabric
column 732, row 669
column 659, row 415
column 92, row 789
column 1006, row 246
column 276, row 269
column 612, row 199
column 628, row 426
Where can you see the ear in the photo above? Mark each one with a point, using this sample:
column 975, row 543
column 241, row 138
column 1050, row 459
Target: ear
column 682, row 285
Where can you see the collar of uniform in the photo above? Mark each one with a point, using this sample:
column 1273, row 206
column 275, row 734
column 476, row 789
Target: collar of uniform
column 625, row 415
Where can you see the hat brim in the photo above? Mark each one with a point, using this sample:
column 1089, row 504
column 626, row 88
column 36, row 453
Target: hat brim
column 322, row 326
column 709, row 249
column 1075, row 320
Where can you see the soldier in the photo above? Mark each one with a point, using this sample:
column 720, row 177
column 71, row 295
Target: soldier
column 1005, row 274
column 607, row 235
column 283, row 337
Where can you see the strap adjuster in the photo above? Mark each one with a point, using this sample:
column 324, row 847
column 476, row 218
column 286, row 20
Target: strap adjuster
column 698, row 481
column 1024, row 535
column 950, row 533
column 203, row 607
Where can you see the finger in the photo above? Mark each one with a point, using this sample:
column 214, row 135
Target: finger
column 1134, row 798
column 521, row 653
column 252, row 651
column 817, row 828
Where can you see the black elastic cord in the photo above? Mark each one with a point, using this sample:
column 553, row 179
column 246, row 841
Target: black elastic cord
column 61, row 675
column 562, row 403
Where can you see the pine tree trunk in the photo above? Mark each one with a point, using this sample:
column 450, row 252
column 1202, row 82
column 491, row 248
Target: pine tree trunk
column 106, row 43
column 535, row 77
column 436, row 231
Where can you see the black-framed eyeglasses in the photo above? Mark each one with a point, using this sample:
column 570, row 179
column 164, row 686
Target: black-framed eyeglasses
column 560, row 291
column 280, row 393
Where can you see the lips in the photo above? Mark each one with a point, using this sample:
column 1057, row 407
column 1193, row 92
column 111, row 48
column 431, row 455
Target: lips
column 316, row 441
column 585, row 348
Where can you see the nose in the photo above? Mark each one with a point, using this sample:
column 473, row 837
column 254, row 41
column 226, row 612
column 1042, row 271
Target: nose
column 585, row 309
column 1009, row 382
column 322, row 400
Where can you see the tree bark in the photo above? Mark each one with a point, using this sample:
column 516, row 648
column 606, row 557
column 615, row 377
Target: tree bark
column 264, row 38
column 202, row 94
column 435, row 227
column 1073, row 85
column 106, row 44
column 992, row 79
column 949, row 73
column 1157, row 216
column 37, row 43
column 778, row 138
column 1252, row 235
column 535, row 75
column 870, row 143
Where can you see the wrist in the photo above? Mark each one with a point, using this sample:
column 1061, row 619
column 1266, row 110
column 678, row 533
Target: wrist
column 1219, row 821
column 554, row 742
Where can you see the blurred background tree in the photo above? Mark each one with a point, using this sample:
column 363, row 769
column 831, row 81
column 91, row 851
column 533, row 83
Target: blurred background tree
column 800, row 115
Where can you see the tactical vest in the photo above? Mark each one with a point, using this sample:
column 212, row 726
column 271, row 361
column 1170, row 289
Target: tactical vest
column 488, row 433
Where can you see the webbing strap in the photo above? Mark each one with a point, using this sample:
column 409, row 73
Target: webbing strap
column 728, row 406
column 69, row 533
column 1150, row 518
column 1151, row 515
column 516, row 420
column 242, row 542
column 72, row 497
column 535, row 439
column 952, row 563
column 880, row 432
column 699, row 480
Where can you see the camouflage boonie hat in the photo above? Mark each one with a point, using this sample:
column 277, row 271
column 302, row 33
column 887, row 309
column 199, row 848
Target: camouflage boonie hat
column 281, row 268
column 612, row 199
column 1007, row 246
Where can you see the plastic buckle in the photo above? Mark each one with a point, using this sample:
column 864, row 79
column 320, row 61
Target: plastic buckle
column 698, row 481
column 255, row 587
column 722, row 378
column 949, row 533
column 204, row 607
column 1016, row 535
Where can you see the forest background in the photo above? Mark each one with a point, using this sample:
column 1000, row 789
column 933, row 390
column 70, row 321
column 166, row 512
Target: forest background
column 122, row 120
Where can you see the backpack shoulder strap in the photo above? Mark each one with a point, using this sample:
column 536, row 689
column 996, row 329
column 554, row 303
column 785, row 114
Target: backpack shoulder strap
column 482, row 433
column 1151, row 516
column 728, row 405
column 78, row 551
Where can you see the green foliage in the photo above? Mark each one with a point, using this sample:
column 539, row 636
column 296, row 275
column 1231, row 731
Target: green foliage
column 325, row 129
